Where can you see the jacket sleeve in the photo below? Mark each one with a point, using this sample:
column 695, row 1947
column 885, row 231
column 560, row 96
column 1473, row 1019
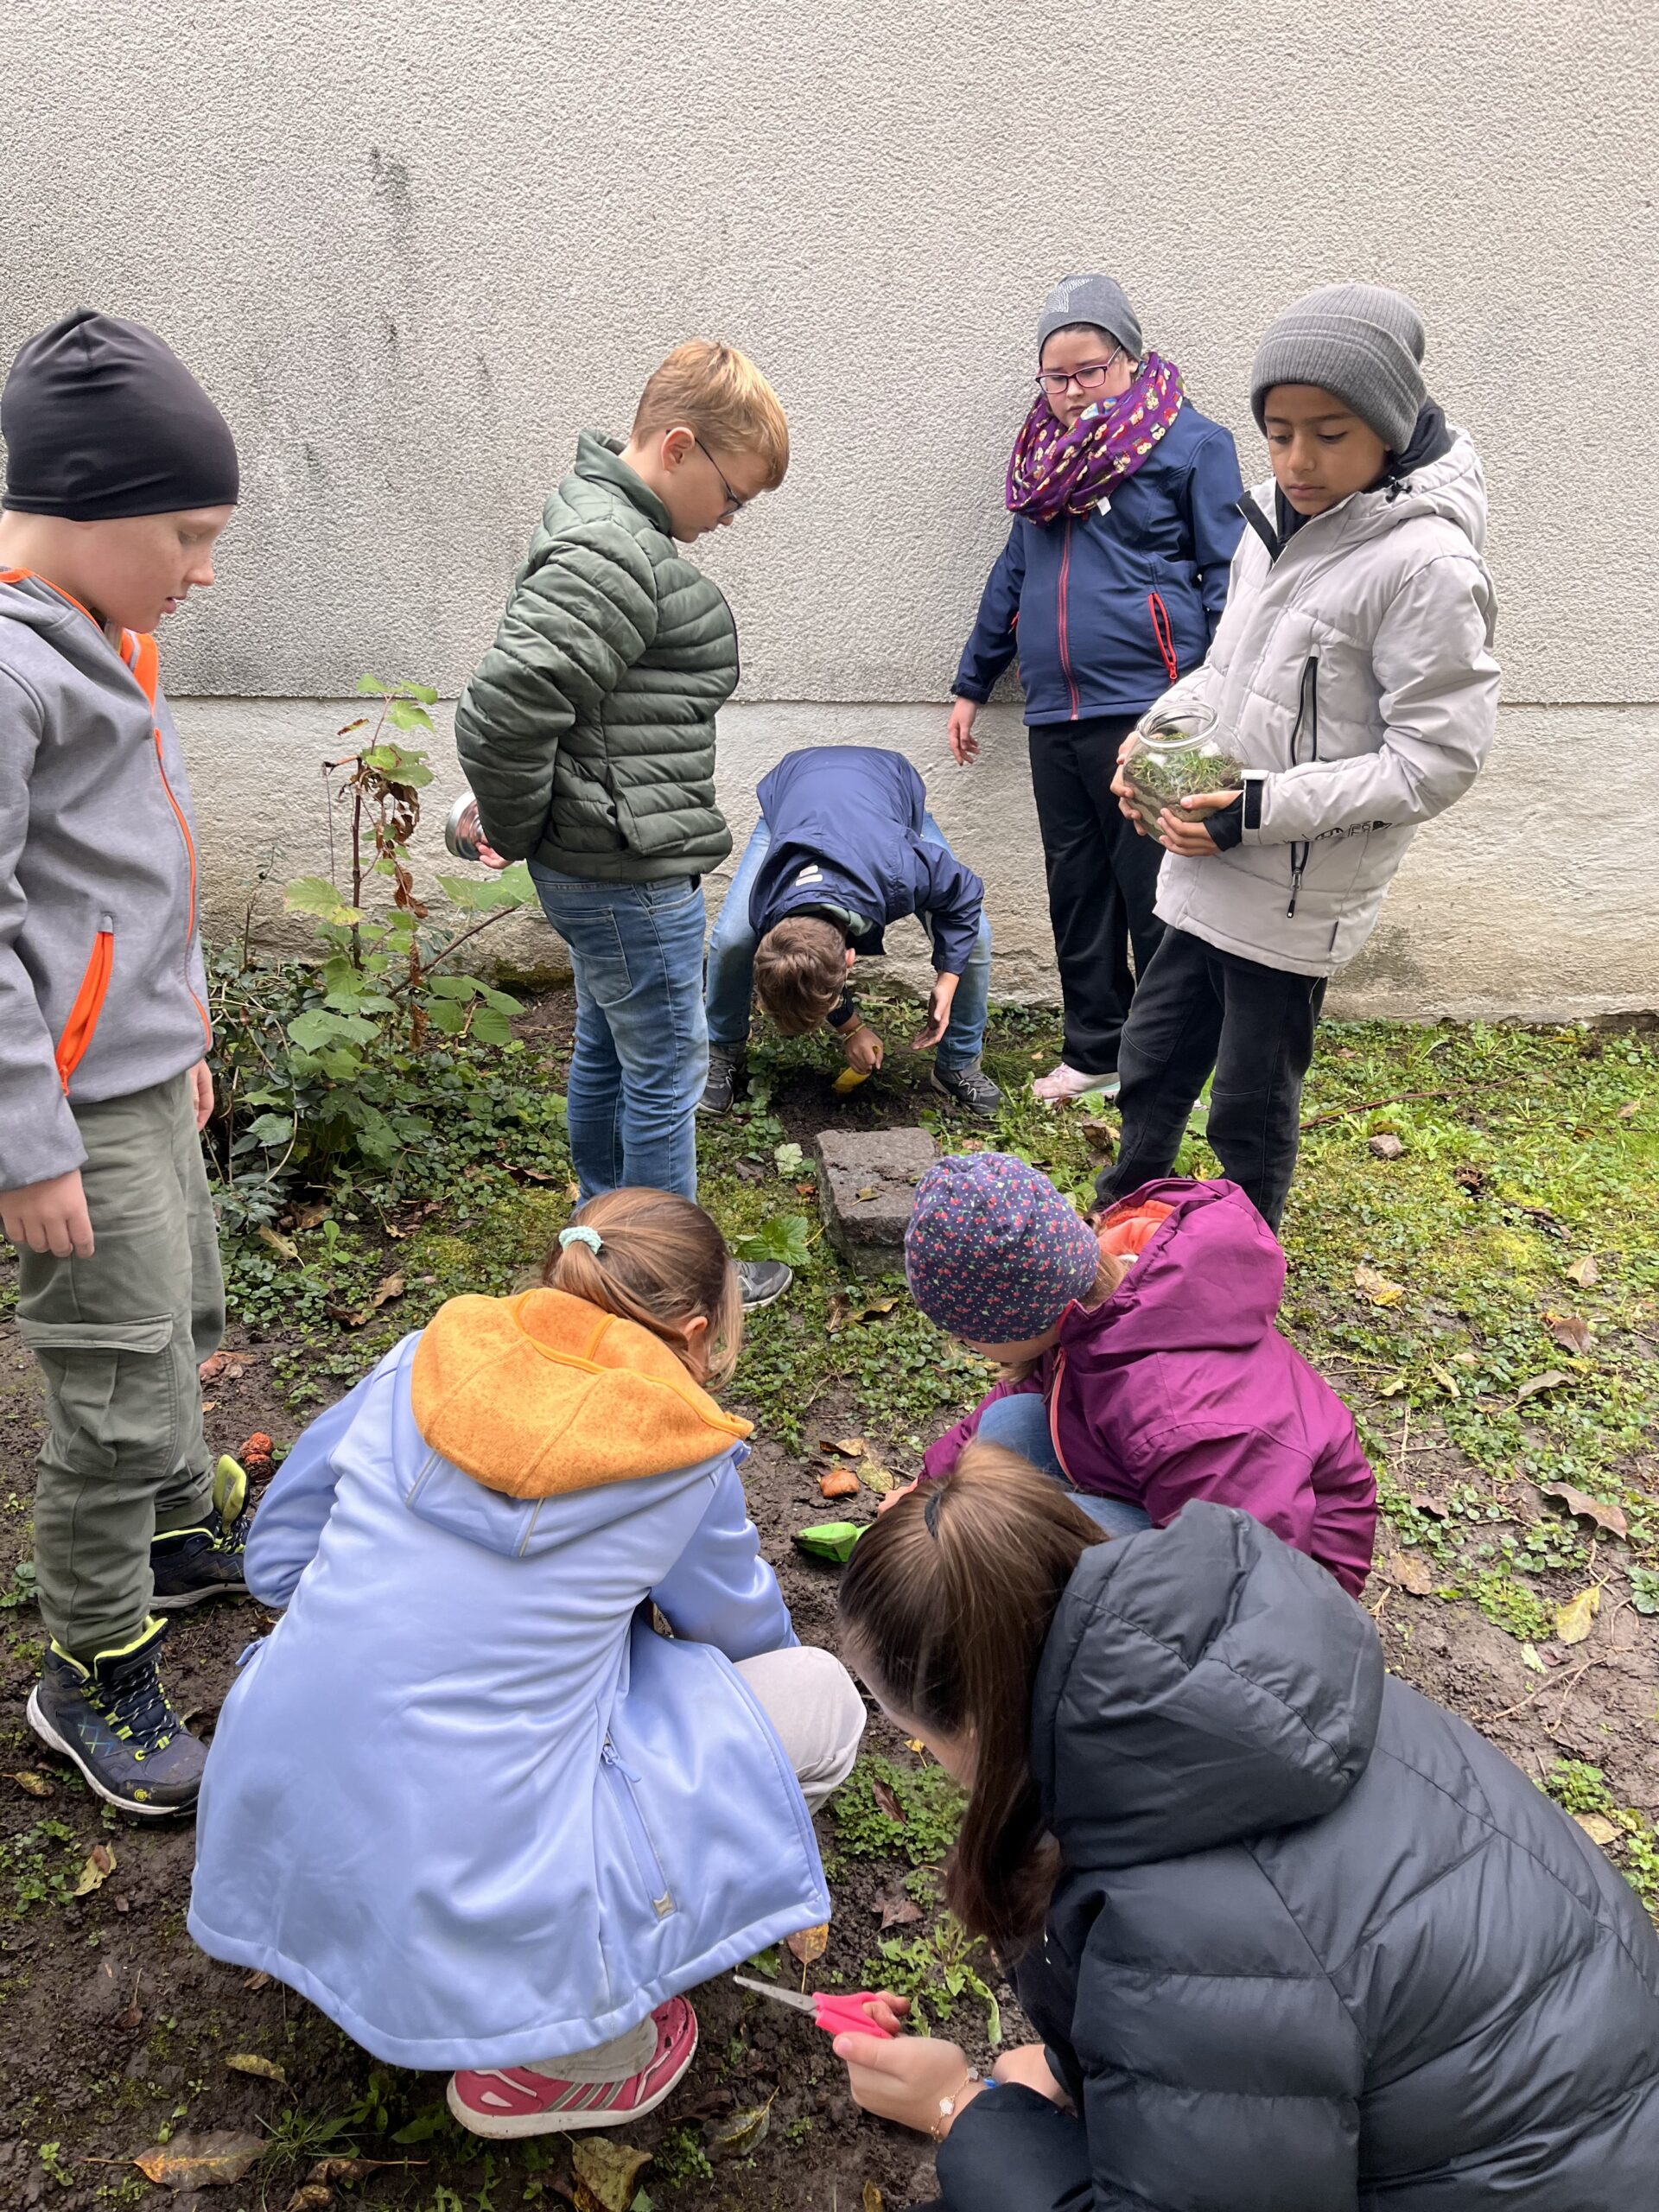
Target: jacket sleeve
column 991, row 647
column 1013, row 2151
column 940, row 1457
column 574, row 625
column 1438, row 683
column 1214, row 489
column 300, row 1496
column 719, row 1590
column 38, row 1137
column 1248, row 1468
column 953, row 898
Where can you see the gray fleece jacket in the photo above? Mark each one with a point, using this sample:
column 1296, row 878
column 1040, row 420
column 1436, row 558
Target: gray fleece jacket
column 102, row 988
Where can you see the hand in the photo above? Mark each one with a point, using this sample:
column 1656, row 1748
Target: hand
column 905, row 2080
column 49, row 1217
column 1182, row 830
column 470, row 827
column 863, row 1049
column 938, row 1013
column 1028, row 2065
column 898, row 1491
column 202, row 1083
column 1123, row 793
column 964, row 746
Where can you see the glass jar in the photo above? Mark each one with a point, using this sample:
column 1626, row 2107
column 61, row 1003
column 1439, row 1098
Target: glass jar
column 1173, row 753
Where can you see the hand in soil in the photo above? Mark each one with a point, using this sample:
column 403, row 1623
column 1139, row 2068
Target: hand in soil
column 906, row 2080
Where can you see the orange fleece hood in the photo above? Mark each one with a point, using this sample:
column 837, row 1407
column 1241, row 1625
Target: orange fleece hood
column 542, row 1393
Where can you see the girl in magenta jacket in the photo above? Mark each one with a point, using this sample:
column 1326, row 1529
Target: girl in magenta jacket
column 1146, row 1363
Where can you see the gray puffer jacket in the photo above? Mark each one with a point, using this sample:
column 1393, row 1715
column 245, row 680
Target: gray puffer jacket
column 1316, row 1946
column 587, row 731
column 1354, row 673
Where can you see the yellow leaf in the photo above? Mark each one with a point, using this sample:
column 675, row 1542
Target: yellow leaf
column 199, row 2161
column 914, row 1744
column 851, row 1447
column 33, row 1785
column 1393, row 1386
column 1583, row 1272
column 1411, row 1571
column 100, row 1865
column 1597, row 1827
column 873, row 2198
column 1447, row 1381
column 607, row 2173
column 249, row 2062
column 1574, row 1619
column 875, row 1477
column 284, row 1245
column 1377, row 1287
column 811, row 1943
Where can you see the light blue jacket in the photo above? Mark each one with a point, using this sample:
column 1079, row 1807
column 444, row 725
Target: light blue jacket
column 464, row 1798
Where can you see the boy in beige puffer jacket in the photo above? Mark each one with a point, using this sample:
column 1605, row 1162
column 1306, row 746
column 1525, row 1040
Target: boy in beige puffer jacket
column 1352, row 674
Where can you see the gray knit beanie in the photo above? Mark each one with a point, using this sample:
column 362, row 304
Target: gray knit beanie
column 1361, row 341
column 1091, row 299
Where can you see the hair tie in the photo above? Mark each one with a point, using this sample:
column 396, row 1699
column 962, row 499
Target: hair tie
column 581, row 1234
column 930, row 1510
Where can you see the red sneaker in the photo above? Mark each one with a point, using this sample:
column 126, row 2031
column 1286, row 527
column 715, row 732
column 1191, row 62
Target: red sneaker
column 511, row 2101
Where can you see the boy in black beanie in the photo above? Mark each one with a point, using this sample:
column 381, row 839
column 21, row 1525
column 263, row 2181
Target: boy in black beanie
column 120, row 476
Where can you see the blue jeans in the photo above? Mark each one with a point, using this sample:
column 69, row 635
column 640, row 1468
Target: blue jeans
column 1020, row 1424
column 731, row 965
column 641, row 1056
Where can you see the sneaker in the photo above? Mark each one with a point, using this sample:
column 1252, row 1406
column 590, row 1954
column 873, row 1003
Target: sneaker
column 513, row 2100
column 764, row 1281
column 721, row 1088
column 114, row 1722
column 970, row 1088
column 190, row 1564
column 1062, row 1083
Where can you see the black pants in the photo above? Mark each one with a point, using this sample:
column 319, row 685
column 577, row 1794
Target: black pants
column 1197, row 1010
column 1102, row 878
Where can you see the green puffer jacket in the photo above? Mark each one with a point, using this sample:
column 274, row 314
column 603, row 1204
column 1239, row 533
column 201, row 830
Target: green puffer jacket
column 587, row 731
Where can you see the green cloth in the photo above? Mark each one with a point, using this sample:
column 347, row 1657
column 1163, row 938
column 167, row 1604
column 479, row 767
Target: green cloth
column 587, row 731
column 119, row 1337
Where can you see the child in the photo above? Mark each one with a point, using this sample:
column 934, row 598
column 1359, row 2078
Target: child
column 1295, row 1938
column 1124, row 500
column 1353, row 676
column 1148, row 1367
column 464, row 1798
column 588, row 735
column 120, row 476
column 844, row 845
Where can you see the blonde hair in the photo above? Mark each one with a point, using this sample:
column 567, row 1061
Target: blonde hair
column 662, row 1262
column 800, row 972
column 720, row 395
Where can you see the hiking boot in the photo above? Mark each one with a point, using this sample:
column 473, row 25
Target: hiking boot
column 190, row 1564
column 725, row 1066
column 763, row 1282
column 504, row 2101
column 114, row 1722
column 1064, row 1083
column 971, row 1088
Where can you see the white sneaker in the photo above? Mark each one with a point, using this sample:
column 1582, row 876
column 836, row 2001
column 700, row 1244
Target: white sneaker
column 1062, row 1083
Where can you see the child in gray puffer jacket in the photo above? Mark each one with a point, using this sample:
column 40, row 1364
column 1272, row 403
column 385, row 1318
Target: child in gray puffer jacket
column 1352, row 675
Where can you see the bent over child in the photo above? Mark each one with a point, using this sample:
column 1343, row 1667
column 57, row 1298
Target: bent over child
column 465, row 1798
column 844, row 845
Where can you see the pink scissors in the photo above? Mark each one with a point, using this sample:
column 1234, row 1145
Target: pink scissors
column 837, row 2016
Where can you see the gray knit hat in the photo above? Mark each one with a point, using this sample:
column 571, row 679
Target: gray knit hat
column 1361, row 341
column 1091, row 299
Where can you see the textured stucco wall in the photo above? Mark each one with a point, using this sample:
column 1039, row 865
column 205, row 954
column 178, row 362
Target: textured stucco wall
column 414, row 245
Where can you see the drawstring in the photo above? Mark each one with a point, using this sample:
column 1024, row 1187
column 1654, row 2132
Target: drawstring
column 1166, row 638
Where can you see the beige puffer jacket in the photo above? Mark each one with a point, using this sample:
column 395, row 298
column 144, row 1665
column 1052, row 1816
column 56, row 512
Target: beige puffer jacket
column 1353, row 674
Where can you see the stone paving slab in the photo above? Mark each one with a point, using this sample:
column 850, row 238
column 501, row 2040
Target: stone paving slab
column 867, row 1190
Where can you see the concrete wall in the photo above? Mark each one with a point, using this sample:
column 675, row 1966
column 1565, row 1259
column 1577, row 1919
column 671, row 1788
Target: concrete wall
column 413, row 246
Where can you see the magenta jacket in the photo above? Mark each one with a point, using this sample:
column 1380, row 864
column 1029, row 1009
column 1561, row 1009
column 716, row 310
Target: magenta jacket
column 1180, row 1386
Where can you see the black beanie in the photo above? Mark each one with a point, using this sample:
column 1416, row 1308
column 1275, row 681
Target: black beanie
column 103, row 420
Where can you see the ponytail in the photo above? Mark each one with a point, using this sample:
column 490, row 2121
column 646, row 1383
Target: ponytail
column 946, row 1606
column 654, row 1258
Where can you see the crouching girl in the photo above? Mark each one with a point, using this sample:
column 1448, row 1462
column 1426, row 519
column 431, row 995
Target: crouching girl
column 465, row 1798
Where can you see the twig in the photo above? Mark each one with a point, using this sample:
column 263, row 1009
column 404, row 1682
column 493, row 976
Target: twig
column 1399, row 1098
column 449, row 950
column 1405, row 1440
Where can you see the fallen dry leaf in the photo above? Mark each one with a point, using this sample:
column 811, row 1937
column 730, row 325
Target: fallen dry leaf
column 850, row 1447
column 899, row 1911
column 100, row 1865
column 1583, row 1272
column 1551, row 1379
column 250, row 2062
column 607, row 2173
column 875, row 1476
column 743, row 2132
column 1425, row 1503
column 838, row 1482
column 131, row 2019
column 809, row 1944
column 1570, row 1331
column 1609, row 1518
column 1411, row 1571
column 1377, row 1287
column 258, row 1980
column 311, row 1215
column 1574, row 1619
column 310, row 2196
column 1629, row 1113
column 884, row 1798
column 31, row 1784
column 1101, row 1137
column 871, row 1191
column 1393, row 1386
column 1386, row 1146
column 200, row 2161
column 284, row 1245
column 1447, row 1381
column 1597, row 1827
column 872, row 2201
column 390, row 1287
column 229, row 1365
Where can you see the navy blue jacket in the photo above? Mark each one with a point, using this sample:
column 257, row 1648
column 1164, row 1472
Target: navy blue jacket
column 846, row 823
column 1084, row 599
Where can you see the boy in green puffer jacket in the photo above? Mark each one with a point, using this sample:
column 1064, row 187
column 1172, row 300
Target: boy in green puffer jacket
column 587, row 735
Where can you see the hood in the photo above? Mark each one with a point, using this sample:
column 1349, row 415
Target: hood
column 544, row 1394
column 1453, row 487
column 1201, row 1683
column 1209, row 1276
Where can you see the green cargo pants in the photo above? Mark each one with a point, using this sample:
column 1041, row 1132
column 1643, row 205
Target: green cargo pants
column 119, row 1337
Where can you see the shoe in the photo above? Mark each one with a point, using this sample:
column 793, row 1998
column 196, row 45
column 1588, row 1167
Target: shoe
column 190, row 1564
column 1062, row 1083
column 115, row 1723
column 720, row 1089
column 764, row 1281
column 504, row 2101
column 970, row 1088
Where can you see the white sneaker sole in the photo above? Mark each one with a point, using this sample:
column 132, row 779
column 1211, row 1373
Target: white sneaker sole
column 501, row 2127
column 49, row 1735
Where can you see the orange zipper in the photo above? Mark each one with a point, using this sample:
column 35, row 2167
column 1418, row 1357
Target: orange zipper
column 144, row 663
column 76, row 1041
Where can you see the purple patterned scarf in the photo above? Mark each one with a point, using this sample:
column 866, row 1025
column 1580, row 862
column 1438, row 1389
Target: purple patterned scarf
column 1053, row 471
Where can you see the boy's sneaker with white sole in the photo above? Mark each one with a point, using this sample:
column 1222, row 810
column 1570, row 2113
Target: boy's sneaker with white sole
column 763, row 1283
column 544, row 2099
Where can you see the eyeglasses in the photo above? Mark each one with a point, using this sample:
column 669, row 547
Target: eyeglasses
column 735, row 502
column 1089, row 377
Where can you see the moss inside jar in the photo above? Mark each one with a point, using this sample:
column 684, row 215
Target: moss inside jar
column 1177, row 756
